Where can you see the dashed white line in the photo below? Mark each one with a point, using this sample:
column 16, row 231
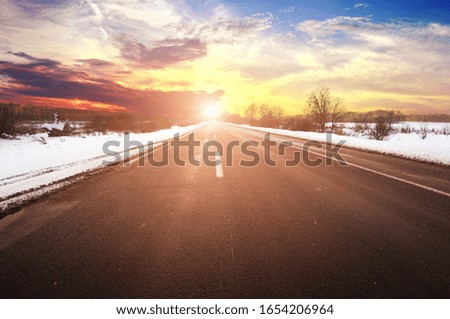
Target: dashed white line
column 219, row 168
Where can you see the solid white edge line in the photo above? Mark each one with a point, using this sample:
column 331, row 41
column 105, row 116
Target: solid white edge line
column 219, row 168
column 401, row 179
column 431, row 189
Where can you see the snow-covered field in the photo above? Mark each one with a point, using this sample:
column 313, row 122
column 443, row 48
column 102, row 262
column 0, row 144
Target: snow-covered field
column 37, row 160
column 435, row 148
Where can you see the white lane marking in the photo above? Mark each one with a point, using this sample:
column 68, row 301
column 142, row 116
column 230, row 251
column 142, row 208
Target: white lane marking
column 431, row 189
column 219, row 168
column 382, row 174
column 215, row 136
column 401, row 179
column 232, row 253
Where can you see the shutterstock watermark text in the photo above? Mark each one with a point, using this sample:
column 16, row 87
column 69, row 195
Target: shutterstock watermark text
column 191, row 151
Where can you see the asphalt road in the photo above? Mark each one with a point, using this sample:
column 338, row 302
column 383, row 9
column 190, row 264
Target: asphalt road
column 378, row 228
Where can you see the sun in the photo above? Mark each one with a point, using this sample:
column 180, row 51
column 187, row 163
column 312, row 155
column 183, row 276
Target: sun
column 211, row 112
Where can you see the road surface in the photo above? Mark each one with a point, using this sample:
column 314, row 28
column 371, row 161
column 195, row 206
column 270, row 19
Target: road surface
column 378, row 228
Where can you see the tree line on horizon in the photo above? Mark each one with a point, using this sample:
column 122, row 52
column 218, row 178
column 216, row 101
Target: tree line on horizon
column 19, row 119
column 323, row 113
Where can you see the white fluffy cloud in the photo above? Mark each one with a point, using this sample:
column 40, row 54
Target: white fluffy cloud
column 360, row 5
column 397, row 58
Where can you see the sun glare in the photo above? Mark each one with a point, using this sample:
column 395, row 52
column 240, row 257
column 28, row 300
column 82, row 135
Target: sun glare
column 211, row 112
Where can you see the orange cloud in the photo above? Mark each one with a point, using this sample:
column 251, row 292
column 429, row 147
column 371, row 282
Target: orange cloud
column 52, row 82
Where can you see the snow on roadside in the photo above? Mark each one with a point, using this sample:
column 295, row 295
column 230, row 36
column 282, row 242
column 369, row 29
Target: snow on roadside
column 433, row 149
column 37, row 160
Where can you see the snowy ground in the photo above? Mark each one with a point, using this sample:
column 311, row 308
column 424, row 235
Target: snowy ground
column 37, row 160
column 435, row 148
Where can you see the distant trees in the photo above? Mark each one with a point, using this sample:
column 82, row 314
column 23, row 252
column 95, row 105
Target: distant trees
column 278, row 114
column 273, row 116
column 324, row 108
column 264, row 115
column 427, row 117
column 121, row 122
column 270, row 116
column 8, row 118
column 251, row 113
column 232, row 118
column 28, row 119
column 113, row 122
column 298, row 123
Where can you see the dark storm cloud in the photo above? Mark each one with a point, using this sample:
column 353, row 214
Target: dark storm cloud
column 35, row 61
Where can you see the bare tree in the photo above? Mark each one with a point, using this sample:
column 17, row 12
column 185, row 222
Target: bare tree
column 337, row 113
column 251, row 113
column 278, row 114
column 266, row 116
column 323, row 108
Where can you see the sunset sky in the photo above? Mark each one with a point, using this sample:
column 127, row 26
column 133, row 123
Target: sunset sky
column 166, row 57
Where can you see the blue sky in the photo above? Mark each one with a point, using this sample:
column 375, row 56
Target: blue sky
column 415, row 10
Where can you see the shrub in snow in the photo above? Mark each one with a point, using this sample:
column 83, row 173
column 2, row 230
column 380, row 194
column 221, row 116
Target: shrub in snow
column 423, row 131
column 406, row 129
column 383, row 125
column 361, row 128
